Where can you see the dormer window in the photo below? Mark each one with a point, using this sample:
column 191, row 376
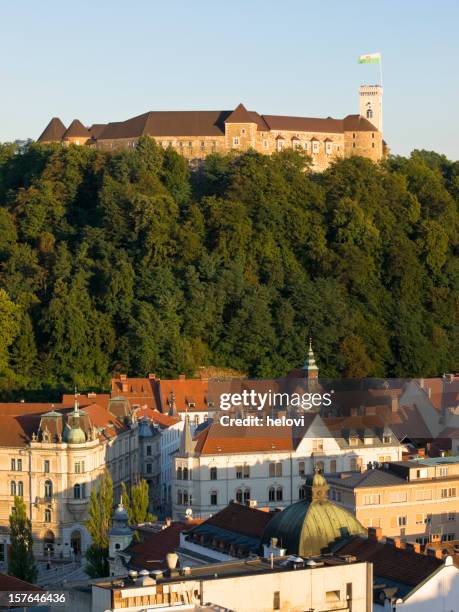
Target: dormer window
column 328, row 147
column 353, row 441
column 315, row 146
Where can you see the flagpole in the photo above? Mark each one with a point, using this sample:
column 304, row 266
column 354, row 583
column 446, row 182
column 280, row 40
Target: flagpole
column 381, row 83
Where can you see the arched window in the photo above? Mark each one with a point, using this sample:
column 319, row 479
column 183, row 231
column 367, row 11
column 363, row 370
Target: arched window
column 179, row 497
column 301, row 468
column 77, row 491
column 320, row 466
column 20, row 488
column 213, row 473
column 48, row 488
column 213, row 498
column 185, row 498
column 47, row 515
column 279, row 494
column 179, row 473
column 247, row 495
column 369, row 113
column 239, row 496
column 185, row 473
column 272, row 494
column 13, row 488
column 302, row 492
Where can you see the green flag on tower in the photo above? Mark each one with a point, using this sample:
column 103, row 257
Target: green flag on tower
column 370, row 58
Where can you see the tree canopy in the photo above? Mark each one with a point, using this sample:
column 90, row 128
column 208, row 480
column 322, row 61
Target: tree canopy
column 130, row 261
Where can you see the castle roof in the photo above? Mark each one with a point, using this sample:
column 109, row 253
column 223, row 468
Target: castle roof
column 76, row 129
column 358, row 124
column 53, row 132
column 240, row 115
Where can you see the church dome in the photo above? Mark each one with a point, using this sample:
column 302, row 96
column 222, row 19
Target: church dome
column 311, row 526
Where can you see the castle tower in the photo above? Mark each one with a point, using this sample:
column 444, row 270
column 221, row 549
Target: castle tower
column 370, row 104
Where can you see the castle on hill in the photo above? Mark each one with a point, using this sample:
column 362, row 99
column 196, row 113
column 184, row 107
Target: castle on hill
column 196, row 134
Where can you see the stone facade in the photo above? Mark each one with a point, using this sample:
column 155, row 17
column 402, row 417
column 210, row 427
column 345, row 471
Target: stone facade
column 196, row 134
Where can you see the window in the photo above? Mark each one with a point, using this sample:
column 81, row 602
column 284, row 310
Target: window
column 369, row 114
column 265, row 144
column 402, row 521
column 13, row 465
column 353, row 441
column 353, row 135
column 235, row 142
column 419, row 519
column 333, row 466
column 239, row 496
column 317, row 445
column 423, row 541
column 315, row 146
column 373, row 145
column 387, row 439
column 13, row 489
column 328, row 148
column 239, row 471
column 190, row 145
column 423, row 494
column 353, row 464
column 302, row 492
column 271, row 494
column 398, row 497
column 77, row 467
column 149, row 450
column 353, row 145
column 246, row 471
column 149, row 468
column 332, row 596
column 242, row 130
column 185, row 473
column 213, row 498
column 443, row 471
column 301, row 468
column 179, row 473
column 213, row 473
column 276, row 600
column 46, row 466
column 185, row 498
column 450, row 492
column 338, row 496
column 275, row 469
column 451, row 516
column 179, row 497
column 48, row 488
column 320, row 467
column 47, row 515
column 202, row 145
column 279, row 494
column 76, row 491
column 20, row 488
column 371, row 500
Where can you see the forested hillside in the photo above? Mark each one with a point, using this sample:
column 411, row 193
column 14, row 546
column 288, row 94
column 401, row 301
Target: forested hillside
column 129, row 262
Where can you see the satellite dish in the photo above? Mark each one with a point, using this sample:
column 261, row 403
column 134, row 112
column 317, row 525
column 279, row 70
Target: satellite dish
column 188, row 512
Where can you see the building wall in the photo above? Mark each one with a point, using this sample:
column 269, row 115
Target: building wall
column 416, row 511
column 288, row 474
column 68, row 514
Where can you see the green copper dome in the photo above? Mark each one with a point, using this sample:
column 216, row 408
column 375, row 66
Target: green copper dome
column 75, row 435
column 311, row 526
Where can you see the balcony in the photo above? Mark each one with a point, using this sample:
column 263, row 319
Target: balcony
column 77, row 508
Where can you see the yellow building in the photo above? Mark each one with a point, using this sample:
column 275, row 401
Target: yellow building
column 416, row 500
column 196, row 134
column 52, row 456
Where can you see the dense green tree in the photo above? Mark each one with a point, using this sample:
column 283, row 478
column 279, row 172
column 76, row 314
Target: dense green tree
column 21, row 560
column 131, row 260
column 98, row 526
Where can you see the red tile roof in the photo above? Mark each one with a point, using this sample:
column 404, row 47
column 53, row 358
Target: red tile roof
column 11, row 583
column 396, row 564
column 53, row 132
column 76, row 129
column 186, row 392
column 219, row 439
column 242, row 519
column 139, row 391
column 151, row 552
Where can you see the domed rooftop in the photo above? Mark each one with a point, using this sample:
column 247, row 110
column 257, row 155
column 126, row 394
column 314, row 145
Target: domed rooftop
column 311, row 526
column 75, row 435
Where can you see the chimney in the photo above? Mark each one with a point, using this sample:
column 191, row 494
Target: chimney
column 413, row 547
column 395, row 542
column 375, row 534
column 182, row 376
column 123, row 377
column 435, row 552
column 151, row 376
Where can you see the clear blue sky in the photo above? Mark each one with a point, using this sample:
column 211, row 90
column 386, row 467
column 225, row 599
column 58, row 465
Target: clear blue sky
column 107, row 60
